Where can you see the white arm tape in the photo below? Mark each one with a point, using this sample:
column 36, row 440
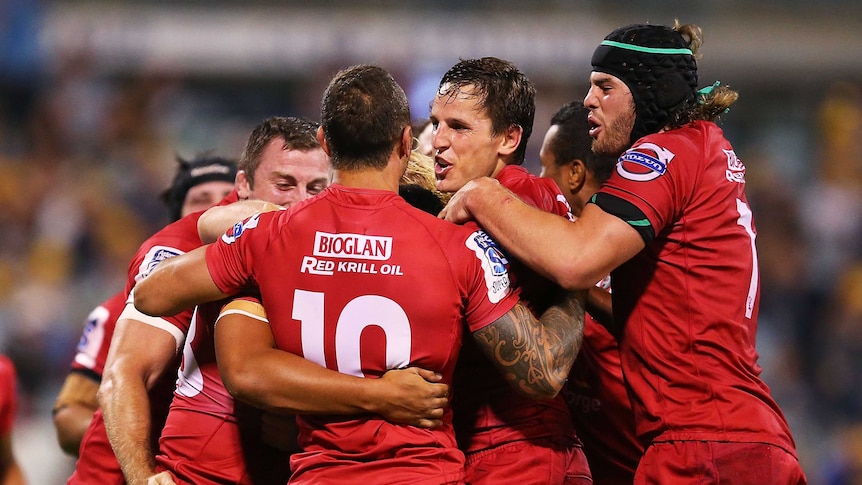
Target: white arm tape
column 235, row 311
column 133, row 313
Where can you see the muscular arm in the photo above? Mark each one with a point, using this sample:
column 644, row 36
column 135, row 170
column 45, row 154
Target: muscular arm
column 73, row 410
column 535, row 356
column 254, row 371
column 10, row 472
column 217, row 220
column 140, row 353
column 573, row 254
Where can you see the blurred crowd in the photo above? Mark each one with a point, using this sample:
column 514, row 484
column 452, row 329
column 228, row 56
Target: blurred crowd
column 84, row 157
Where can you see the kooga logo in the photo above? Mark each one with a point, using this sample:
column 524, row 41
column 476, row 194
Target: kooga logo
column 354, row 246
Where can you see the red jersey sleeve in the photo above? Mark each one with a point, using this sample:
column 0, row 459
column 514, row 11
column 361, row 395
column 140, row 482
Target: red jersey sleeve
column 96, row 339
column 489, row 289
column 660, row 174
column 7, row 395
column 538, row 192
column 229, row 259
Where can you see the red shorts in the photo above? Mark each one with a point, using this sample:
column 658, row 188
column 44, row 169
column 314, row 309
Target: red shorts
column 201, row 449
column 541, row 461
column 684, row 462
column 97, row 463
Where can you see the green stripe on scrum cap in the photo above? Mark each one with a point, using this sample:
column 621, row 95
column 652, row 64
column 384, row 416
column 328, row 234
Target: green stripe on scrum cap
column 648, row 50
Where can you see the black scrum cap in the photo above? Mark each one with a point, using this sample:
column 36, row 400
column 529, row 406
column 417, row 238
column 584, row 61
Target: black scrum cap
column 195, row 172
column 657, row 65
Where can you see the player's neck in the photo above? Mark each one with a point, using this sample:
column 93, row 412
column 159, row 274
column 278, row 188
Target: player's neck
column 365, row 179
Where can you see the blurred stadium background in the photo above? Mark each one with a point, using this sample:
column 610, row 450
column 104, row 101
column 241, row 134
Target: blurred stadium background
column 97, row 99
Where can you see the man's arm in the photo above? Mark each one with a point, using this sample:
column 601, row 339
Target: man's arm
column 535, row 356
column 73, row 410
column 254, row 371
column 217, row 220
column 140, row 353
column 573, row 254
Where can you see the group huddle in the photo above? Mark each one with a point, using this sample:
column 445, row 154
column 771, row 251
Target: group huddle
column 313, row 316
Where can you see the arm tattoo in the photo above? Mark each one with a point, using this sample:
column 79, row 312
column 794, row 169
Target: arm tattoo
column 535, row 356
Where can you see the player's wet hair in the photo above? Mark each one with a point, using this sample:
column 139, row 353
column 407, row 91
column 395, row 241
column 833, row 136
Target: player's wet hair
column 506, row 94
column 363, row 114
column 297, row 133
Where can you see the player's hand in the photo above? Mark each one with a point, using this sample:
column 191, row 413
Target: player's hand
column 413, row 396
column 456, row 209
column 162, row 478
column 280, row 431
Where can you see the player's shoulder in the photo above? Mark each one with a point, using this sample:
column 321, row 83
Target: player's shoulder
column 172, row 240
column 691, row 135
column 115, row 303
column 177, row 237
column 520, row 180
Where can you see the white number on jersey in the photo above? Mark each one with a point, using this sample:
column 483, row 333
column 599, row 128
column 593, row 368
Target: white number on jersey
column 745, row 221
column 361, row 312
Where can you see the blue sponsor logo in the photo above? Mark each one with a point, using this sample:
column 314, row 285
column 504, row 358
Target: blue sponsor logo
column 497, row 260
column 159, row 256
column 237, row 230
column 492, row 252
column 647, row 161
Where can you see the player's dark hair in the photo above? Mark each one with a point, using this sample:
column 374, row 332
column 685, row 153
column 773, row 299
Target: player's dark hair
column 363, row 114
column 421, row 198
column 573, row 141
column 297, row 134
column 507, row 95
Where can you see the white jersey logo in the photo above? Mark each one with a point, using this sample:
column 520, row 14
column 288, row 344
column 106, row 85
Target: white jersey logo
column 735, row 169
column 493, row 262
column 154, row 256
column 352, row 246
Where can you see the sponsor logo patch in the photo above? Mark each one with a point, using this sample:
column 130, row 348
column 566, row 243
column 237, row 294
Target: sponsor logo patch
column 352, row 246
column 330, row 251
column 493, row 263
column 644, row 162
column 239, row 228
column 735, row 169
column 154, row 256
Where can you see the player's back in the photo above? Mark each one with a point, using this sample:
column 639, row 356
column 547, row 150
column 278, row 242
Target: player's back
column 392, row 279
column 361, row 282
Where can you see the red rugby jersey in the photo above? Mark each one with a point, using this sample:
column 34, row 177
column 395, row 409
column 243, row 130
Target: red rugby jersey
column 96, row 339
column 688, row 302
column 488, row 411
column 97, row 463
column 359, row 281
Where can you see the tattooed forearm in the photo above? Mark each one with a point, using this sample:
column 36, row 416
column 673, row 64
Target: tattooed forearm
column 535, row 356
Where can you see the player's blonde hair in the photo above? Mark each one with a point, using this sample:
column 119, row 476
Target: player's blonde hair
column 420, row 171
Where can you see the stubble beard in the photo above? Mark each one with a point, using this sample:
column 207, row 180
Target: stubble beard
column 616, row 137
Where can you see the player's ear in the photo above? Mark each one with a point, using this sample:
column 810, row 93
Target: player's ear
column 577, row 175
column 243, row 185
column 321, row 138
column 406, row 142
column 511, row 139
